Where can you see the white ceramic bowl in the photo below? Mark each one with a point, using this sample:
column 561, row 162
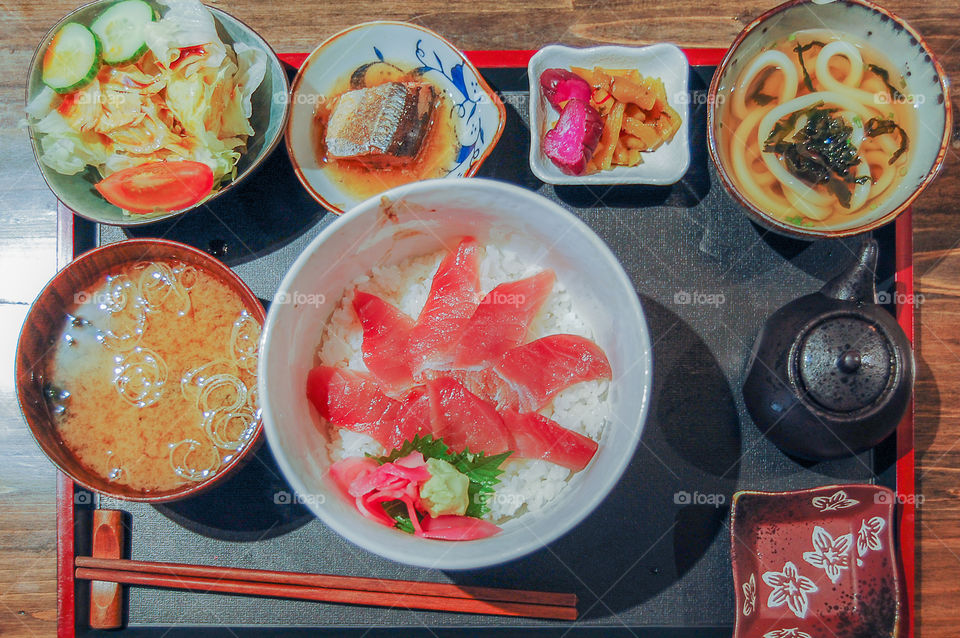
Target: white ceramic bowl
column 478, row 113
column 664, row 166
column 927, row 89
column 421, row 218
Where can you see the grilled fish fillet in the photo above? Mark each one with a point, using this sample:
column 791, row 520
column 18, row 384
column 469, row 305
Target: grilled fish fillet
column 384, row 123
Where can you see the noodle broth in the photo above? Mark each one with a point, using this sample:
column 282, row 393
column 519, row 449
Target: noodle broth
column 855, row 89
column 152, row 381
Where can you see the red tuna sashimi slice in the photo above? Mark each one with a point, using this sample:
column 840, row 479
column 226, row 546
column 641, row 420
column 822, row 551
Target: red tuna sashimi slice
column 485, row 383
column 537, row 437
column 464, row 420
column 501, row 320
column 541, row 369
column 415, row 414
column 386, row 333
column 449, row 306
column 354, row 401
column 344, row 397
column 451, row 527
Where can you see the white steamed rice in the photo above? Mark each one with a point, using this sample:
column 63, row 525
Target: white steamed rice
column 526, row 485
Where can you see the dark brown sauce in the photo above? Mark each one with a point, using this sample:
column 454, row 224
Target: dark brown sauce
column 436, row 155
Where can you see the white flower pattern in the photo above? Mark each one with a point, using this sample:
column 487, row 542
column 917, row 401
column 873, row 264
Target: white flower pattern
column 868, row 538
column 787, row 633
column 836, row 501
column 830, row 554
column 749, row 595
column 791, row 588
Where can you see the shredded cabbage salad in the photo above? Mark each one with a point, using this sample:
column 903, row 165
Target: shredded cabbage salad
column 187, row 98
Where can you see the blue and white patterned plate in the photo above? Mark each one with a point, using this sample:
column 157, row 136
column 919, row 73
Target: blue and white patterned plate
column 478, row 113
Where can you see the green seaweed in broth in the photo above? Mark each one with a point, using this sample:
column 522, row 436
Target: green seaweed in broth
column 862, row 97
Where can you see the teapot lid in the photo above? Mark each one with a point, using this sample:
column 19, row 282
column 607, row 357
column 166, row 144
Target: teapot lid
column 844, row 363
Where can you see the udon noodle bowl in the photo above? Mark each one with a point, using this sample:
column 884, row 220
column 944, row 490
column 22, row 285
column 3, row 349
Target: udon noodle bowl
column 816, row 131
column 152, row 381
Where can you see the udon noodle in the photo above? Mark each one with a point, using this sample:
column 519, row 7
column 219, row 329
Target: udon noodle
column 816, row 130
column 153, row 382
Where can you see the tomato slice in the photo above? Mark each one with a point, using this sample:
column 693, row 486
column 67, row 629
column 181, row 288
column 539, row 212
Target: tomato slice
column 158, row 186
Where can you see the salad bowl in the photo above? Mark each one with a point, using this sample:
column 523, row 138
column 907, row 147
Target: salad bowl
column 268, row 116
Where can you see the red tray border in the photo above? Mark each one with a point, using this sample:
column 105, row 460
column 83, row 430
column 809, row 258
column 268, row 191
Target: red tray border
column 66, row 604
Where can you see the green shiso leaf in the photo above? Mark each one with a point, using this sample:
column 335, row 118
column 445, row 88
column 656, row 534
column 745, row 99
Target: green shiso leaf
column 398, row 512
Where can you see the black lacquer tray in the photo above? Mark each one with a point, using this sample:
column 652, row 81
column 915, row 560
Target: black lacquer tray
column 654, row 558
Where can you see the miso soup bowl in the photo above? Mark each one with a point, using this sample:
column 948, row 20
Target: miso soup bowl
column 419, row 219
column 927, row 90
column 44, row 324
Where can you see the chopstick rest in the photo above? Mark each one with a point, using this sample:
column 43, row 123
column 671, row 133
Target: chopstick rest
column 106, row 596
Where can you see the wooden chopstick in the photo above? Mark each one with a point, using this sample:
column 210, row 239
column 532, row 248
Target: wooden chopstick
column 331, row 588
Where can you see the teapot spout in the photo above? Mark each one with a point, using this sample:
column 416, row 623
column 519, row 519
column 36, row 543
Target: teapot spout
column 858, row 281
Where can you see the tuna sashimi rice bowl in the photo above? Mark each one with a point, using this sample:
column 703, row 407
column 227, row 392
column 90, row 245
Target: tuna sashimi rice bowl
column 497, row 362
column 466, row 382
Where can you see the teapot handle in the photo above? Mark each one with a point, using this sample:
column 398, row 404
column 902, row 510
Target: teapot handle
column 858, row 281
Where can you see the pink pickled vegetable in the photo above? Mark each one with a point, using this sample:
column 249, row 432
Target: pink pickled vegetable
column 572, row 142
column 451, row 527
column 399, row 475
column 560, row 85
column 346, row 471
column 373, row 485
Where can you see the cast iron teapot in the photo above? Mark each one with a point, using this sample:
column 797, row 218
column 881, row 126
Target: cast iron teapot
column 831, row 374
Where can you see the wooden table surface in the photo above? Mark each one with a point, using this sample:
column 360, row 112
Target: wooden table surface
column 28, row 248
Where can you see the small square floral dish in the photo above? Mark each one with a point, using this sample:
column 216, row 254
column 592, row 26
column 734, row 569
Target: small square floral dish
column 383, row 104
column 648, row 83
column 817, row 563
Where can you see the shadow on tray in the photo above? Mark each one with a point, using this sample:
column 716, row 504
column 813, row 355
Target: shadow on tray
column 508, row 161
column 254, row 504
column 264, row 213
column 672, row 500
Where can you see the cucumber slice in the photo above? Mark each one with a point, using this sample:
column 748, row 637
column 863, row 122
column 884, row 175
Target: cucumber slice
column 72, row 59
column 120, row 29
